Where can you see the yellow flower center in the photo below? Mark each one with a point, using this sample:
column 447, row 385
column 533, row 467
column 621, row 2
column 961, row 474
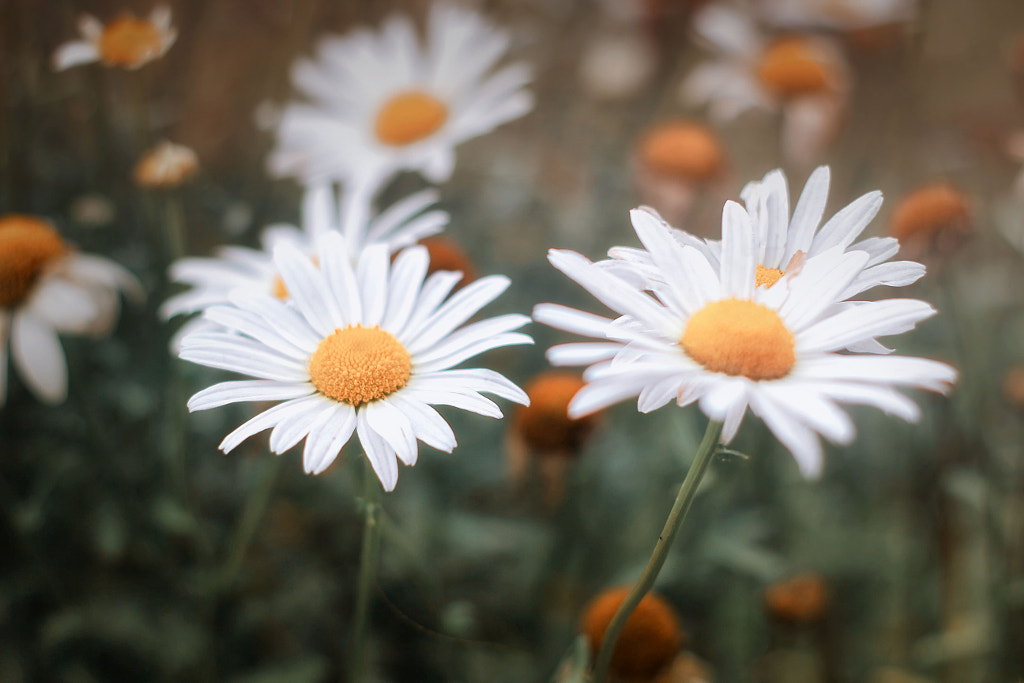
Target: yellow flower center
column 408, row 117
column 740, row 338
column 357, row 365
column 790, row 67
column 766, row 277
column 27, row 245
column 129, row 42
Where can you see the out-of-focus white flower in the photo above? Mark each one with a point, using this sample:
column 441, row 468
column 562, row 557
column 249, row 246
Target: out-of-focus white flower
column 47, row 288
column 381, row 102
column 707, row 334
column 365, row 347
column 803, row 76
column 166, row 165
column 127, row 42
column 212, row 278
column 617, row 65
column 840, row 15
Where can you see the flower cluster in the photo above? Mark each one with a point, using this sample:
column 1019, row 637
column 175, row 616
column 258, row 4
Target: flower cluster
column 349, row 342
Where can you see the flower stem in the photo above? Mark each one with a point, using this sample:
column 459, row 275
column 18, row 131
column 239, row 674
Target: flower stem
column 687, row 491
column 367, row 573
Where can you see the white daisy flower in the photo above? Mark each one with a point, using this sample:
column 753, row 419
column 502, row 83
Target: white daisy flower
column 783, row 242
column 46, row 289
column 805, row 77
column 213, row 278
column 711, row 335
column 366, row 348
column 128, row 42
column 381, row 102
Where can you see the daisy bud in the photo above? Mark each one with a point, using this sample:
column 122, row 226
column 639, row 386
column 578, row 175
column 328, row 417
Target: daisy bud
column 802, row 598
column 934, row 218
column 649, row 641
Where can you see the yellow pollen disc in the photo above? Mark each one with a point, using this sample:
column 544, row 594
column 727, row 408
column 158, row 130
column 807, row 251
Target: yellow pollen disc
column 766, row 277
column 408, row 117
column 27, row 245
column 790, row 67
column 129, row 42
column 740, row 338
column 357, row 365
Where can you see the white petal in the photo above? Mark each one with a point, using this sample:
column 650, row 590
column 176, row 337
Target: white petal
column 247, row 390
column 738, row 262
column 776, row 219
column 38, row 355
column 883, row 398
column 382, row 458
column 584, row 353
column 372, row 275
column 307, row 288
column 446, row 357
column 654, row 396
column 457, row 310
column 239, row 354
column 723, row 397
column 407, row 273
column 394, row 427
column 603, row 393
column 477, row 379
column 812, row 409
column 610, row 290
column 294, row 428
column 471, row 401
column 895, row 274
column 807, row 215
column 843, row 228
column 73, row 53
column 324, row 444
column 430, row 427
column 570, row 320
column 433, row 292
column 482, row 330
column 801, row 441
column 884, row 370
column 64, row 306
column 868, row 320
column 818, row 285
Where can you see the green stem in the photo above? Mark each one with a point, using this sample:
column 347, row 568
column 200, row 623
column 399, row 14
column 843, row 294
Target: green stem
column 252, row 514
column 705, row 452
column 174, row 226
column 367, row 573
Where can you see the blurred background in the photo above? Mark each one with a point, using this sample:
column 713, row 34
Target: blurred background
column 124, row 551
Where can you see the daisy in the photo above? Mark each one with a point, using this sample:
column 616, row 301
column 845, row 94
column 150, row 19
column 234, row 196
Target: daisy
column 128, row 42
column 381, row 102
column 47, row 288
column 782, row 242
column 712, row 336
column 366, row 348
column 805, row 77
column 212, row 279
column 166, row 165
